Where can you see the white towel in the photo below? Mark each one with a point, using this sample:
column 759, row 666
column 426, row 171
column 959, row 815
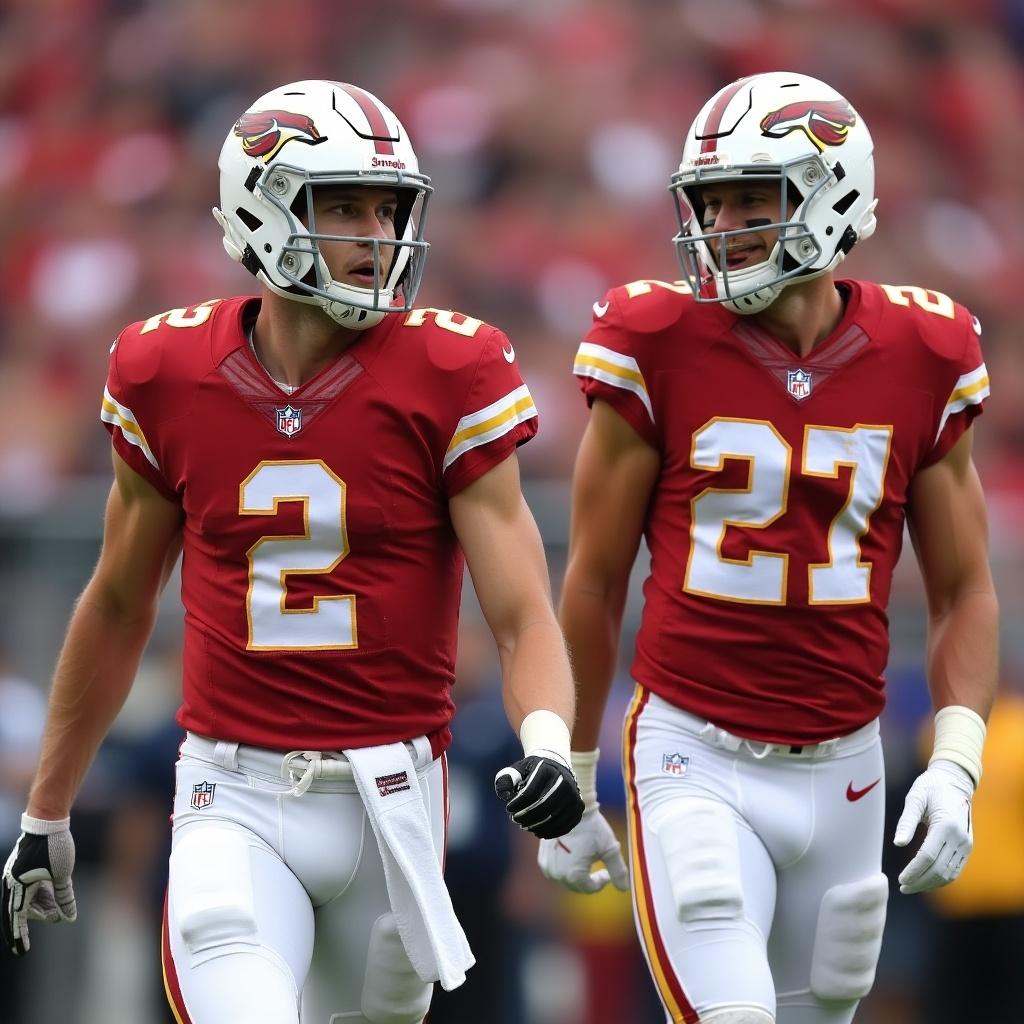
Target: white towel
column 433, row 938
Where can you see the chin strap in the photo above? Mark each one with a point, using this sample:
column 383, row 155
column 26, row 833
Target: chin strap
column 352, row 317
column 755, row 302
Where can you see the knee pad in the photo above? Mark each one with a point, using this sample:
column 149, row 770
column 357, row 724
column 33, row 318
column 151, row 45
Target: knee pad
column 848, row 939
column 745, row 1015
column 210, row 889
column 697, row 838
column 392, row 990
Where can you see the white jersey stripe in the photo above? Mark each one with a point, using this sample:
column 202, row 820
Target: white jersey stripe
column 970, row 389
column 122, row 417
column 611, row 367
column 493, row 421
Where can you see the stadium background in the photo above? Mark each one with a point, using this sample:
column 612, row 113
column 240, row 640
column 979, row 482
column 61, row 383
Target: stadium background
column 550, row 128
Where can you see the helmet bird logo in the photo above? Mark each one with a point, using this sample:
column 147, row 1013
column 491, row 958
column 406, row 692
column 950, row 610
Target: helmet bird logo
column 264, row 132
column 825, row 123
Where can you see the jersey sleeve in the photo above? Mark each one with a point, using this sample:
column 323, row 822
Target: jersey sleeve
column 123, row 412
column 968, row 387
column 498, row 414
column 608, row 366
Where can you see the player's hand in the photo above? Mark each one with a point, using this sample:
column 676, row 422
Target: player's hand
column 540, row 794
column 569, row 859
column 36, row 884
column 941, row 798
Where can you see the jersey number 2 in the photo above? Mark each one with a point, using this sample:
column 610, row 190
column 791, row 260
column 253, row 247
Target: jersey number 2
column 761, row 577
column 331, row 622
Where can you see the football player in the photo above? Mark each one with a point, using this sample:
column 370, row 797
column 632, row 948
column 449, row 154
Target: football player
column 327, row 456
column 768, row 428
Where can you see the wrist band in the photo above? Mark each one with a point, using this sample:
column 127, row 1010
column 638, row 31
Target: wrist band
column 544, row 730
column 584, row 766
column 42, row 826
column 959, row 737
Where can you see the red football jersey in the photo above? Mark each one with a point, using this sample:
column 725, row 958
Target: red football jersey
column 778, row 517
column 321, row 575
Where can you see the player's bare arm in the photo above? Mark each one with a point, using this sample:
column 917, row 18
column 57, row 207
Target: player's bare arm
column 505, row 557
column 612, row 482
column 950, row 535
column 949, row 529
column 106, row 636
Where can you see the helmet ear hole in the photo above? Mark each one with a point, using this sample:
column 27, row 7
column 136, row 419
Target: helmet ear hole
column 846, row 202
column 251, row 221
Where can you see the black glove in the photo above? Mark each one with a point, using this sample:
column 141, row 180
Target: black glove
column 541, row 795
column 36, row 883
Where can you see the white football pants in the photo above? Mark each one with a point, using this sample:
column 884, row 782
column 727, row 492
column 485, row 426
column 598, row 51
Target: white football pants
column 277, row 908
column 755, row 868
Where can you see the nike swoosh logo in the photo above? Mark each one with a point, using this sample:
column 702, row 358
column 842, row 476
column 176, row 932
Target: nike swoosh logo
column 855, row 794
column 509, row 353
column 600, row 308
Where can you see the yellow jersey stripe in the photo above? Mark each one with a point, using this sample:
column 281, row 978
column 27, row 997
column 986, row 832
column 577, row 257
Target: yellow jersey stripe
column 613, row 368
column 970, row 389
column 121, row 416
column 491, row 422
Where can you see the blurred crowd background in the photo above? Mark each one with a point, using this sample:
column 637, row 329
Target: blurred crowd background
column 550, row 128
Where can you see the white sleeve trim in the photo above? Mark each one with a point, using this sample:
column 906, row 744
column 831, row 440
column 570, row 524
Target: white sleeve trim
column 970, row 389
column 611, row 367
column 124, row 419
column 489, row 423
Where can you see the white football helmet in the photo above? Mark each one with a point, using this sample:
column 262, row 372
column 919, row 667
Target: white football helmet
column 801, row 133
column 297, row 138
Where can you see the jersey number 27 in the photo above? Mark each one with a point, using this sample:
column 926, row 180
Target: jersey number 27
column 761, row 577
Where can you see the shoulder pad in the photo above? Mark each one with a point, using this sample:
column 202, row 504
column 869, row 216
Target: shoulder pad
column 645, row 306
column 186, row 316
column 939, row 322
column 144, row 347
column 449, row 338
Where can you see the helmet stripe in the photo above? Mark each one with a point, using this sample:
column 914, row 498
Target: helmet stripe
column 380, row 133
column 713, row 125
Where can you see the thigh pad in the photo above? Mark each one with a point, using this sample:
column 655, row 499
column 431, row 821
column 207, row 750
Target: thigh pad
column 210, row 889
column 697, row 839
column 848, row 939
column 392, row 990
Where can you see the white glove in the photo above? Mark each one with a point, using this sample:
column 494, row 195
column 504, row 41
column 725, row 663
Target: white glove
column 36, row 884
column 569, row 859
column 941, row 798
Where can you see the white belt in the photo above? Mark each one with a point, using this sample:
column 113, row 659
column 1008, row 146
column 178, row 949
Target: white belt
column 299, row 767
column 715, row 736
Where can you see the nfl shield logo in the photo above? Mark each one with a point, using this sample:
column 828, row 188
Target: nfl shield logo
column 289, row 420
column 798, row 383
column 674, row 764
column 202, row 794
